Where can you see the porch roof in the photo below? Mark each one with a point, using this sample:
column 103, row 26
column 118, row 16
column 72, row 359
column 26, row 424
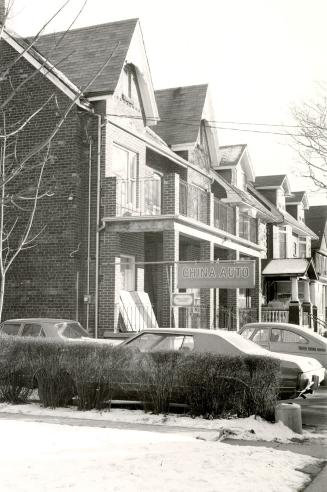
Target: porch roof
column 290, row 267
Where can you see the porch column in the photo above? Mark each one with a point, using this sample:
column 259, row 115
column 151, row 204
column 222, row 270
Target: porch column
column 206, row 295
column 233, row 295
column 170, row 254
column 306, row 305
column 109, row 281
column 256, row 293
column 294, row 307
column 314, row 305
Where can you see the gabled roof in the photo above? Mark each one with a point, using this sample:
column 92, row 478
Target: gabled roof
column 180, row 111
column 284, row 217
column 273, row 181
column 298, row 197
column 80, row 53
column 231, row 154
column 316, row 219
column 238, row 196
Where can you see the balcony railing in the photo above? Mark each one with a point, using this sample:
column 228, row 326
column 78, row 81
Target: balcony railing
column 138, row 197
column 193, row 202
column 224, row 216
column 274, row 315
column 248, row 227
column 170, row 195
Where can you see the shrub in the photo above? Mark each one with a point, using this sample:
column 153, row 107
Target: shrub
column 55, row 386
column 93, row 369
column 218, row 386
column 157, row 375
column 15, row 372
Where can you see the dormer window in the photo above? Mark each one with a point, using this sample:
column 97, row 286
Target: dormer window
column 240, row 179
column 128, row 81
column 280, row 199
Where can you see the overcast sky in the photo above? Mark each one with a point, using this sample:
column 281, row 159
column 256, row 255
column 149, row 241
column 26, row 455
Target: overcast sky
column 259, row 57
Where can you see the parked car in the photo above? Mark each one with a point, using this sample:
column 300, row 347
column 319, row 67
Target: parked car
column 287, row 339
column 298, row 374
column 62, row 329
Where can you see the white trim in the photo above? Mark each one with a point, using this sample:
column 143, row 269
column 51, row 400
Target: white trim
column 186, row 146
column 137, row 57
column 100, row 98
column 49, row 71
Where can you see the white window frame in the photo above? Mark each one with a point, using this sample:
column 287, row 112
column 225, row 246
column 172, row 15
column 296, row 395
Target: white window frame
column 131, row 280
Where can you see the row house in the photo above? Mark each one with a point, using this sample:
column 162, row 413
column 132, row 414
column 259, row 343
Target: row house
column 139, row 184
column 316, row 219
column 289, row 274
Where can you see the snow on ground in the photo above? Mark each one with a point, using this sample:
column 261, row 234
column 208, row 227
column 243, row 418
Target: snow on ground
column 42, row 457
column 251, row 428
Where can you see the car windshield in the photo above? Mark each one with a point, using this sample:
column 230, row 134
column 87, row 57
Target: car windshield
column 72, row 330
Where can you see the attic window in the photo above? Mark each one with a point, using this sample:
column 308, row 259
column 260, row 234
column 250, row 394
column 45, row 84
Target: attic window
column 128, row 81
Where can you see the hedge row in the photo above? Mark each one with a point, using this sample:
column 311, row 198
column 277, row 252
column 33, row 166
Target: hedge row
column 95, row 374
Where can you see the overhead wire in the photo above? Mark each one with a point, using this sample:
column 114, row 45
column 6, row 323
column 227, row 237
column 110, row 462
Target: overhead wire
column 217, row 125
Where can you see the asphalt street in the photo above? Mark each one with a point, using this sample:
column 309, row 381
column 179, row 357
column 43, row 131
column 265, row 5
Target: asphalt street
column 314, row 410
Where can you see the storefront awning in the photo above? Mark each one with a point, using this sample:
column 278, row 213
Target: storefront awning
column 290, row 267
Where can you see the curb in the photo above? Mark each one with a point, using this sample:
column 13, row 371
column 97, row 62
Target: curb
column 319, row 483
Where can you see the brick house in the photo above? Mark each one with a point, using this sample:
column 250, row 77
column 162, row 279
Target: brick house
column 316, row 219
column 140, row 183
column 288, row 273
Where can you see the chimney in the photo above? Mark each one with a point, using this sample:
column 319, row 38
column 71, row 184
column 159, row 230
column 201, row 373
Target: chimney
column 2, row 11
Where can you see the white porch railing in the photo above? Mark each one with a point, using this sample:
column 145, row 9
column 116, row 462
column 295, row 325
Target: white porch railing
column 274, row 315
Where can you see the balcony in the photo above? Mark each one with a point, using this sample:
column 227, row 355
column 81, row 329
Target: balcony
column 171, row 196
column 224, row 216
column 193, row 202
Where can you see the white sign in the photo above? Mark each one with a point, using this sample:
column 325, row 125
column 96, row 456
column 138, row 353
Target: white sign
column 182, row 300
column 223, row 274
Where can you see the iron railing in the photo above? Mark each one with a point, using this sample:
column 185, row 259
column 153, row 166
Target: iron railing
column 193, row 202
column 224, row 216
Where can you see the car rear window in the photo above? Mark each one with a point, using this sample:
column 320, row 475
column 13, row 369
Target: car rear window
column 73, row 330
column 153, row 342
column 10, row 328
column 32, row 330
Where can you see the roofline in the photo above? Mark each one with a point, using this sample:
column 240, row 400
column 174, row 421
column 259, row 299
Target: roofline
column 181, row 87
column 46, row 68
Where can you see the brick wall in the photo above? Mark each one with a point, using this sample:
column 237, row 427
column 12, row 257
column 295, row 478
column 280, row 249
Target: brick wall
column 44, row 280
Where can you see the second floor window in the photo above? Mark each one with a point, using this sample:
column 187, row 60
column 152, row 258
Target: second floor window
column 302, row 247
column 282, row 243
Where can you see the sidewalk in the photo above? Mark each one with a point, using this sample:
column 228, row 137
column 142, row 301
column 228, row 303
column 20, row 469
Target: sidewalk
column 316, row 448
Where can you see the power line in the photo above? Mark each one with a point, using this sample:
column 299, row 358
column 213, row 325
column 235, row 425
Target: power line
column 189, row 123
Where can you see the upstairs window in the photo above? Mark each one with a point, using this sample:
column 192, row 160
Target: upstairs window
column 128, row 81
column 282, row 243
column 302, row 247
